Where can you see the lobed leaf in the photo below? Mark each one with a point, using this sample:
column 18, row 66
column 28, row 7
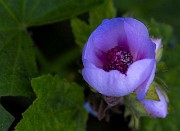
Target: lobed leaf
column 58, row 107
column 25, row 13
column 17, row 63
column 17, row 57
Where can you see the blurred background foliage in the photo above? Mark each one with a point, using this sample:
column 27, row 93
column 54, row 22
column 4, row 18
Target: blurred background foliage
column 57, row 49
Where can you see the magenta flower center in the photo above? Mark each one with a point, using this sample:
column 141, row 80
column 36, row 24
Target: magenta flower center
column 118, row 58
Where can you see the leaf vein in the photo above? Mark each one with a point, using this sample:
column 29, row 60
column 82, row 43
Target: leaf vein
column 15, row 62
column 9, row 11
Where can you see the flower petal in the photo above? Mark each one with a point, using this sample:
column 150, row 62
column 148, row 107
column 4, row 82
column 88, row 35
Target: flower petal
column 126, row 32
column 114, row 83
column 108, row 35
column 142, row 89
column 156, row 108
column 140, row 45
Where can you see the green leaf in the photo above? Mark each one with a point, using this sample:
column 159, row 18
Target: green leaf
column 17, row 64
column 49, row 11
column 24, row 13
column 81, row 30
column 6, row 119
column 151, row 93
column 104, row 11
column 58, row 107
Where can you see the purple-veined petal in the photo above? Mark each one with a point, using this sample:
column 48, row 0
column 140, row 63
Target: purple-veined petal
column 114, row 83
column 156, row 108
column 142, row 89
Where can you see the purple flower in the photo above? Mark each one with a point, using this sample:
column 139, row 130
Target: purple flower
column 119, row 58
column 156, row 108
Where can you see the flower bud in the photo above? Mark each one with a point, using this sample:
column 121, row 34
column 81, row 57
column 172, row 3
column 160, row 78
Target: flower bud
column 159, row 48
column 156, row 108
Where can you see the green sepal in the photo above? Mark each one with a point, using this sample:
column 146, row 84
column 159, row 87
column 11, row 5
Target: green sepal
column 151, row 93
column 159, row 54
column 135, row 106
column 161, row 84
column 134, row 120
